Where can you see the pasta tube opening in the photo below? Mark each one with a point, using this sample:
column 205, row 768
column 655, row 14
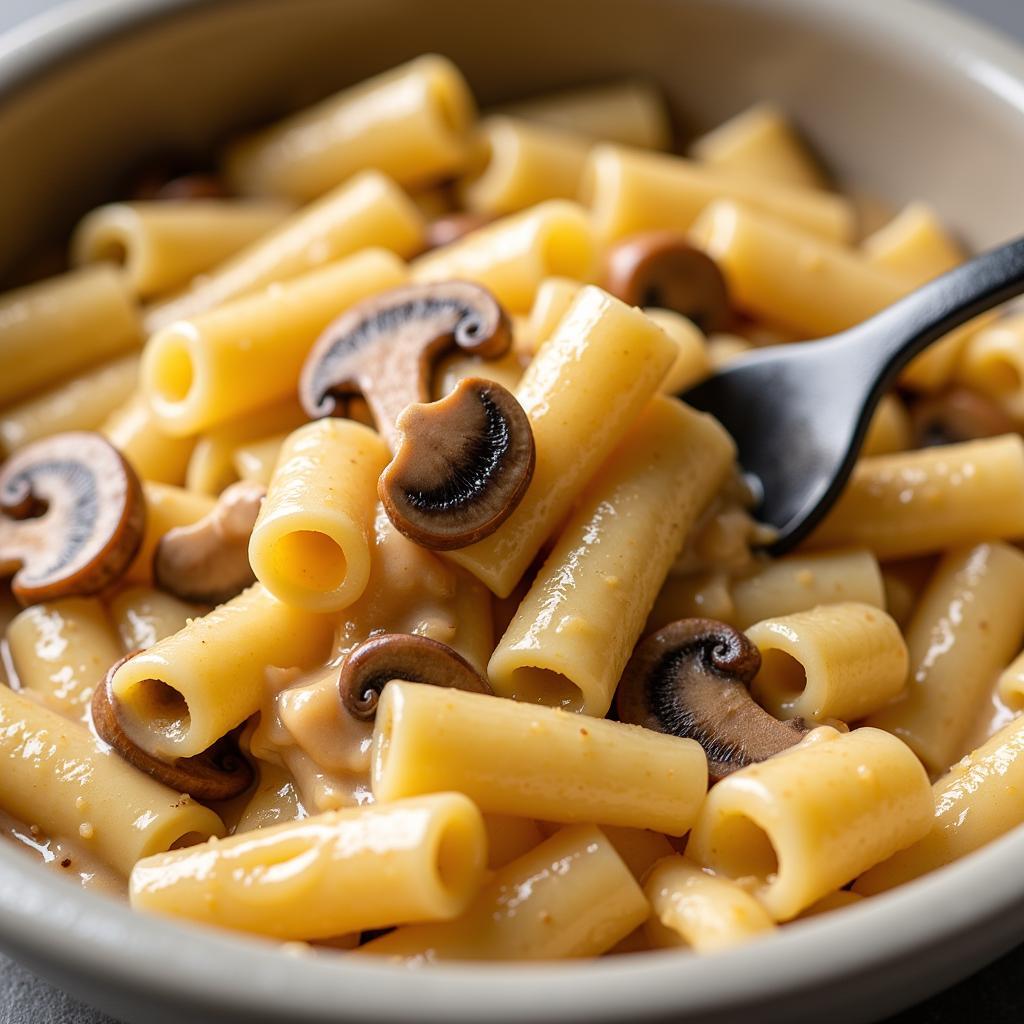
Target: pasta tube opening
column 745, row 850
column 309, row 559
column 781, row 675
column 171, row 363
column 545, row 686
column 154, row 711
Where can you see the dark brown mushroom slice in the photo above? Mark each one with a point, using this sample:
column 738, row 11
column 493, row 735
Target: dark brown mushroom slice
column 660, row 268
column 384, row 348
column 207, row 562
column 219, row 773
column 462, row 466
column 448, row 229
column 957, row 415
column 72, row 515
column 415, row 659
column 691, row 678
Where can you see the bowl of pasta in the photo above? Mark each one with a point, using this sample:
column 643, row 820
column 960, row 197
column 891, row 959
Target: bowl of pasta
column 321, row 700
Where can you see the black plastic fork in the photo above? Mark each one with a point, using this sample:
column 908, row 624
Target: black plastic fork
column 799, row 413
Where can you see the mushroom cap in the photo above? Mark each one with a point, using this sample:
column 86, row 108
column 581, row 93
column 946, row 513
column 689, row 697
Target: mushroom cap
column 691, row 679
column 660, row 268
column 958, row 415
column 207, row 562
column 219, row 773
column 72, row 515
column 407, row 656
column 384, row 348
column 461, row 468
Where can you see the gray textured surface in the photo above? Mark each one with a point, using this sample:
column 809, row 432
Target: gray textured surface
column 994, row 996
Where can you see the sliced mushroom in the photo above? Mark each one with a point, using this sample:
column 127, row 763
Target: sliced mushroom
column 958, row 415
column 384, row 348
column 462, row 466
column 659, row 268
column 72, row 516
column 446, row 230
column 208, row 561
column 415, row 659
column 219, row 773
column 691, row 679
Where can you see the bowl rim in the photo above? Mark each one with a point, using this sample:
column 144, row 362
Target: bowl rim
column 48, row 920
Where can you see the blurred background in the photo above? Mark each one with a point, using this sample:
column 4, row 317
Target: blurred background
column 994, row 996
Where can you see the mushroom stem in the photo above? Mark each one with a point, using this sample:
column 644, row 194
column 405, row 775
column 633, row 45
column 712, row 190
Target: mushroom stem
column 415, row 659
column 207, row 562
column 691, row 678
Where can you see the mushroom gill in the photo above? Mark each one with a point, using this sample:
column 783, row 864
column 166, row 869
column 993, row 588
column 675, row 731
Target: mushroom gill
column 415, row 659
column 691, row 679
column 72, row 516
column 462, row 466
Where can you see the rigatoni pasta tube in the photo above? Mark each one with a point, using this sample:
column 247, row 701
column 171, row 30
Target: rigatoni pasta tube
column 144, row 615
column 1010, row 685
column 61, row 649
column 513, row 255
column 576, row 628
column 913, row 244
column 211, row 466
column 790, row 277
column 246, row 354
column 552, row 301
column 534, row 762
column 799, row 582
column 410, row 122
column 89, row 312
column 191, row 688
column 776, row 587
column 162, row 245
column 761, row 143
column 708, row 913
column 691, row 364
column 370, row 210
column 255, row 461
column 890, row 429
column 630, row 190
column 814, row 817
column 524, row 164
column 133, row 430
column 992, row 362
column 509, row 838
column 585, row 387
column 976, row 801
column 630, row 112
column 834, row 661
column 640, row 848
column 57, row 776
column 914, row 503
column 337, row 872
column 82, row 403
column 570, row 897
column 968, row 623
column 311, row 543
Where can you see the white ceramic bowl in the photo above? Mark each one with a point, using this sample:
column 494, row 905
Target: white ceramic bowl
column 905, row 99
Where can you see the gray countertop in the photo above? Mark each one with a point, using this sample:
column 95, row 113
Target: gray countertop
column 993, row 996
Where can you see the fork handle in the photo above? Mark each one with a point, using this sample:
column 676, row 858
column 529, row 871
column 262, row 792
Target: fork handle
column 909, row 326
